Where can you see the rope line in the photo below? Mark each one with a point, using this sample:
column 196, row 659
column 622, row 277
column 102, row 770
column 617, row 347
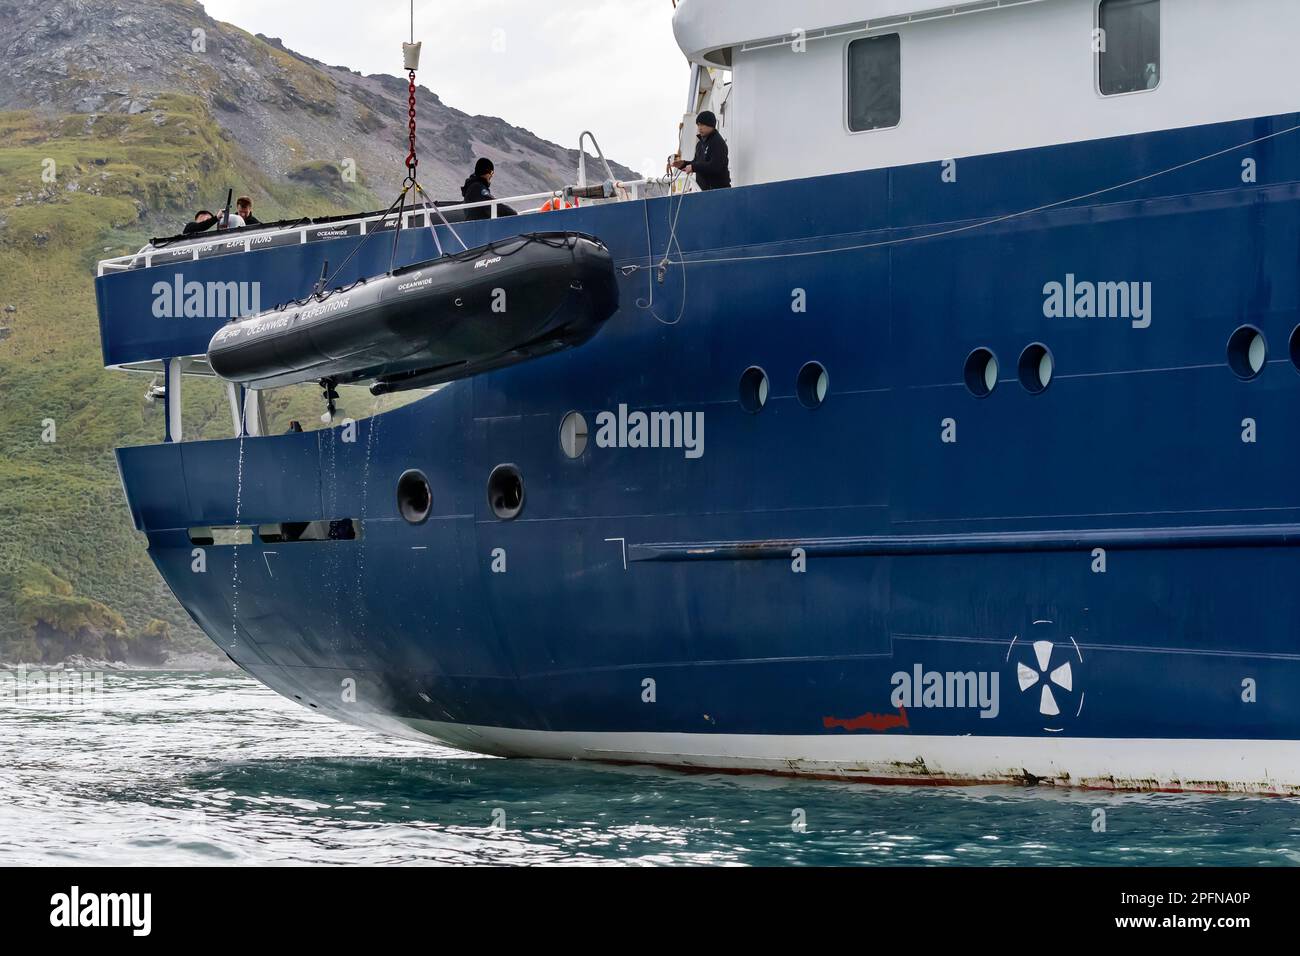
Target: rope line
column 969, row 227
column 323, row 290
column 660, row 271
column 433, row 203
column 397, row 233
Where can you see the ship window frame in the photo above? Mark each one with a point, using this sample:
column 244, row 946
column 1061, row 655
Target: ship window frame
column 813, row 385
column 1160, row 54
column 414, row 496
column 581, row 440
column 976, row 369
column 1036, row 358
column 755, row 389
column 501, row 509
column 1241, row 347
column 848, row 82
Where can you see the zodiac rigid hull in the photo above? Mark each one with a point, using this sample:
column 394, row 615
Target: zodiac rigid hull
column 965, row 471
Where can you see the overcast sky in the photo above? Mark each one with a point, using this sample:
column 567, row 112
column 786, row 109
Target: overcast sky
column 555, row 68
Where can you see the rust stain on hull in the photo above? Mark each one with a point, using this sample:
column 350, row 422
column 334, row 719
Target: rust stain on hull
column 876, row 722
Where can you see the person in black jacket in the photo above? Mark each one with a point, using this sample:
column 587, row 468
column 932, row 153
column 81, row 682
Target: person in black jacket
column 244, row 206
column 203, row 221
column 712, row 162
column 478, row 188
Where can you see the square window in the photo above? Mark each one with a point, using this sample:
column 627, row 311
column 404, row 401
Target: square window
column 1129, row 58
column 875, row 83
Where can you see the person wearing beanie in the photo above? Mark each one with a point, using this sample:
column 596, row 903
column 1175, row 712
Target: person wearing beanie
column 712, row 162
column 478, row 188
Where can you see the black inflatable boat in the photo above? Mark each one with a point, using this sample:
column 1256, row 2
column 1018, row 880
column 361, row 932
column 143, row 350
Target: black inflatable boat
column 432, row 322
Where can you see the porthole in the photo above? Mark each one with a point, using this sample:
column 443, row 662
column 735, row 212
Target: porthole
column 1247, row 352
column 981, row 372
column 753, row 390
column 414, row 497
column 573, row 435
column 1295, row 348
column 505, row 492
column 812, row 385
column 1036, row 368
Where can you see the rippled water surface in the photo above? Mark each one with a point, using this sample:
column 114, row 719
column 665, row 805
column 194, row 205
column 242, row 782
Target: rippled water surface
column 185, row 768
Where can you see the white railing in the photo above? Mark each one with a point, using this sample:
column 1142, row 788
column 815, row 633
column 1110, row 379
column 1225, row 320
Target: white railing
column 418, row 218
column 582, row 158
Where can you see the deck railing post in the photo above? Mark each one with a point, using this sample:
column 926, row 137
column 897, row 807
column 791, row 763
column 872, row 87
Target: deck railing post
column 235, row 394
column 254, row 421
column 173, row 374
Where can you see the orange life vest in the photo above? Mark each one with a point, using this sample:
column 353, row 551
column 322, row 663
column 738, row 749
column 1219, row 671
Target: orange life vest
column 552, row 204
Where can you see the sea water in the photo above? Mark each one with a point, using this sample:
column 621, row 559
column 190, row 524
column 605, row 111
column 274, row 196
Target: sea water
column 182, row 768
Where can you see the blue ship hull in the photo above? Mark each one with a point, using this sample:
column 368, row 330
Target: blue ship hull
column 882, row 587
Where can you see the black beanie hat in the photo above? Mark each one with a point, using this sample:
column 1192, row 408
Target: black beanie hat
column 484, row 165
column 707, row 119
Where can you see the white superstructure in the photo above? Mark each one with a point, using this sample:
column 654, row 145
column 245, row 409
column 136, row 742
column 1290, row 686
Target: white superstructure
column 979, row 77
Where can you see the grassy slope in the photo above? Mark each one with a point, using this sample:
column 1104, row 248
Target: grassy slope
column 62, row 517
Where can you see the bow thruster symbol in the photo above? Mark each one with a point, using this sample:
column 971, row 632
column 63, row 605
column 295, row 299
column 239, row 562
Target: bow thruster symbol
column 1062, row 677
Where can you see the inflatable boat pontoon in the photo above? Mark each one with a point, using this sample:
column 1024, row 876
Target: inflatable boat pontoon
column 432, row 322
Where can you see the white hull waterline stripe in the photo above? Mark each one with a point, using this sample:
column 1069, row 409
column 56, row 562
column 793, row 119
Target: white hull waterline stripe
column 1247, row 766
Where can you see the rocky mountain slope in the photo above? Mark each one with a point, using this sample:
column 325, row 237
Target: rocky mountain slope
column 296, row 119
column 113, row 128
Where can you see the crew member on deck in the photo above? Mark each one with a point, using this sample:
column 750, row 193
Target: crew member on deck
column 203, row 221
column 712, row 162
column 478, row 188
column 244, row 206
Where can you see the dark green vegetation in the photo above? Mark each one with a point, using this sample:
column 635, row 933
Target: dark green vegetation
column 74, row 575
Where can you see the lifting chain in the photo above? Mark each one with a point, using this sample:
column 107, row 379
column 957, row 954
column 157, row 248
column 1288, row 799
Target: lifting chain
column 412, row 161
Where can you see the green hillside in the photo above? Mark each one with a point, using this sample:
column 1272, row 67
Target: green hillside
column 74, row 575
